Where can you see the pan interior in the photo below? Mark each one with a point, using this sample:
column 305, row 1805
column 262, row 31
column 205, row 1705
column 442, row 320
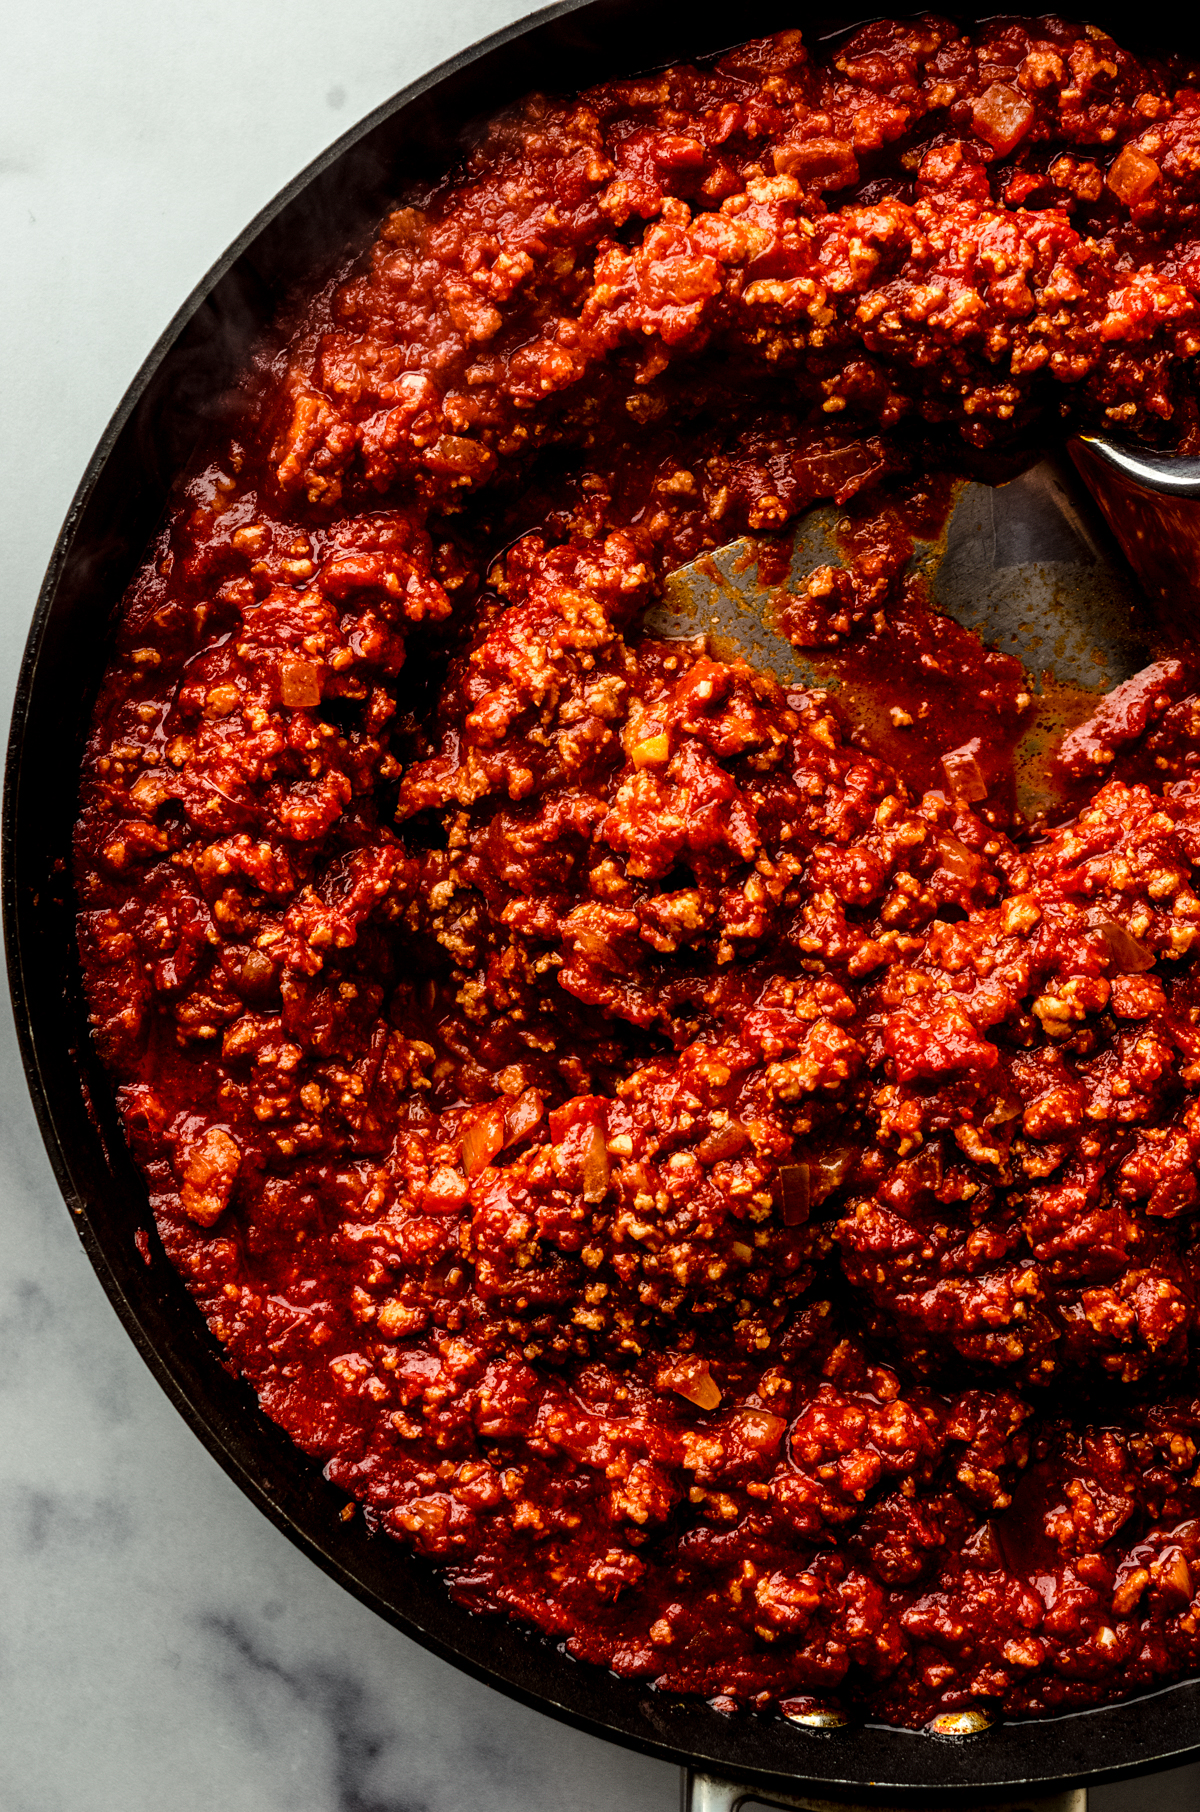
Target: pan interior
column 119, row 500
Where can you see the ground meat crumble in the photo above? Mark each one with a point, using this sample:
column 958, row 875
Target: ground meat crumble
column 730, row 1202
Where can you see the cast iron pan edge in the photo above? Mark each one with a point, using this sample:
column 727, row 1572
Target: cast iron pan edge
column 107, row 528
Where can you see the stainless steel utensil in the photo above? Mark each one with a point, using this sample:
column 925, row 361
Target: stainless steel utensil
column 1030, row 566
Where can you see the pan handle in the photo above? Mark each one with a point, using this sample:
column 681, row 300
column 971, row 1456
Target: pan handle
column 708, row 1793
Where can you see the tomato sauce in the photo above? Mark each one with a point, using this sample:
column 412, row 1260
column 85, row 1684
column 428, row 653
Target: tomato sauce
column 728, row 1198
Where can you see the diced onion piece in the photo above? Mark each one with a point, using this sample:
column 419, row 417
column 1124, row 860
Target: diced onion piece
column 964, row 774
column 723, row 1142
column 829, row 1171
column 759, row 1429
column 692, row 1379
column 457, row 453
column 929, row 1164
column 1172, row 1576
column 1125, row 949
column 578, row 1129
column 955, row 857
column 984, row 1546
column 593, row 1165
column 522, row 1115
column 482, row 1140
column 652, row 751
column 1132, row 176
column 793, row 1190
column 1002, row 116
column 445, row 1192
column 299, row 684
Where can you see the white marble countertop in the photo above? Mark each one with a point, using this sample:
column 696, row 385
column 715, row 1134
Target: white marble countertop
column 162, row 1647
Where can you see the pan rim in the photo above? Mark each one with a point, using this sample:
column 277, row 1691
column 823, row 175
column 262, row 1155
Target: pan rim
column 814, row 1756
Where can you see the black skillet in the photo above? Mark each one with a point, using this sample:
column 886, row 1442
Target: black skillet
column 171, row 403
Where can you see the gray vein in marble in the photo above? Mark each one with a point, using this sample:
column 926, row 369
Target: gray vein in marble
column 374, row 1737
column 357, row 1739
column 36, row 1520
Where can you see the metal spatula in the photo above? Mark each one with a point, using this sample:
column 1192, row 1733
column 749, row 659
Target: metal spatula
column 1030, row 566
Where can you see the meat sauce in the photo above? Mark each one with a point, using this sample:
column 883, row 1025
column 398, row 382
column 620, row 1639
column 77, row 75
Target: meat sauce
column 728, row 1199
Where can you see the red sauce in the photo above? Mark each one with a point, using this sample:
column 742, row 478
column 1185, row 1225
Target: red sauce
column 728, row 1199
